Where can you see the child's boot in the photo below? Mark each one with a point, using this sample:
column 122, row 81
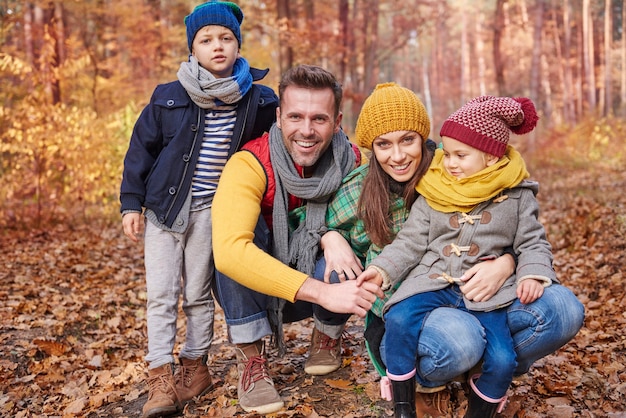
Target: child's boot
column 162, row 396
column 403, row 392
column 480, row 405
column 192, row 378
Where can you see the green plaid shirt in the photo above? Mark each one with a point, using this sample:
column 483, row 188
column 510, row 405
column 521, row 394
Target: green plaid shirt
column 341, row 216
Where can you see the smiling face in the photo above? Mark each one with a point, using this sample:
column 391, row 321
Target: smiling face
column 461, row 160
column 399, row 154
column 307, row 120
column 216, row 49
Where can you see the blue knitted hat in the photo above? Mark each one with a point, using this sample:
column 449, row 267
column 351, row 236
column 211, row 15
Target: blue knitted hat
column 221, row 13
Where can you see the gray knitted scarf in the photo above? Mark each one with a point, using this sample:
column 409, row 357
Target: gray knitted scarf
column 209, row 92
column 300, row 250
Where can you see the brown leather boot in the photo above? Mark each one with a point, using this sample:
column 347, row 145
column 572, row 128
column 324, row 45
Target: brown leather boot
column 162, row 396
column 192, row 378
column 432, row 402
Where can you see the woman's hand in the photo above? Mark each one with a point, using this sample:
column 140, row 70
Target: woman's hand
column 484, row 279
column 339, row 257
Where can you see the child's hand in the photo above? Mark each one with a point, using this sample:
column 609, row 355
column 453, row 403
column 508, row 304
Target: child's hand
column 370, row 275
column 133, row 225
column 529, row 290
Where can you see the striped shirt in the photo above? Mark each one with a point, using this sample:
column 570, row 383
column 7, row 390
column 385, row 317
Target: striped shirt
column 219, row 124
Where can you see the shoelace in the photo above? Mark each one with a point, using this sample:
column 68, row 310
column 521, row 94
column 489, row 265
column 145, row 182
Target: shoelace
column 327, row 343
column 439, row 400
column 254, row 371
column 187, row 373
column 160, row 384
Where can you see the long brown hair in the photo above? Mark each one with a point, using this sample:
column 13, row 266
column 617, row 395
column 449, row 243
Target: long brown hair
column 373, row 206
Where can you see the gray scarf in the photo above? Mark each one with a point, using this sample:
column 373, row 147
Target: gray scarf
column 209, row 92
column 300, row 250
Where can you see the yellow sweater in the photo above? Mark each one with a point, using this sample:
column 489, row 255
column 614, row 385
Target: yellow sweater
column 235, row 213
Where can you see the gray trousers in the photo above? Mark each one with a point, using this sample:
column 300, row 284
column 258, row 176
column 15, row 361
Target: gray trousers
column 175, row 263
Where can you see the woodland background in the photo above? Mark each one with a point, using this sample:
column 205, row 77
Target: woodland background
column 74, row 76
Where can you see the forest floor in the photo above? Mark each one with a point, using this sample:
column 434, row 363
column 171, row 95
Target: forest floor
column 72, row 324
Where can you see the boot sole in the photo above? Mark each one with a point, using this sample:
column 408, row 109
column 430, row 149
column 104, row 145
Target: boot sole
column 162, row 411
column 264, row 409
column 320, row 370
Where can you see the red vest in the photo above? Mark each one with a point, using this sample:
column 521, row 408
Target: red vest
column 260, row 148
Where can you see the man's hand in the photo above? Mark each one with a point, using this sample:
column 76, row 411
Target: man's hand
column 339, row 257
column 344, row 297
column 484, row 279
column 133, row 225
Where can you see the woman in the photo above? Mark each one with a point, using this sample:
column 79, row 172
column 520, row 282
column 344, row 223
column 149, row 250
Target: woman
column 366, row 214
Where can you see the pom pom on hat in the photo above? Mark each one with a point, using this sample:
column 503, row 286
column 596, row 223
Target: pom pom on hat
column 221, row 13
column 486, row 122
column 390, row 108
column 530, row 116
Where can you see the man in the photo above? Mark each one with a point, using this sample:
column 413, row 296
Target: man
column 268, row 216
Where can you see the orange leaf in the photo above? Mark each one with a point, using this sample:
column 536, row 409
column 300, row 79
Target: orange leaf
column 51, row 348
column 339, row 384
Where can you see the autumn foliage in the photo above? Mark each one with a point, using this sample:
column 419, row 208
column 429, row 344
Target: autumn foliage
column 75, row 75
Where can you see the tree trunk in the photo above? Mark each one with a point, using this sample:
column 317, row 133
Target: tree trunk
column 344, row 24
column 535, row 66
column 370, row 63
column 623, row 101
column 465, row 85
column 588, row 55
column 608, row 35
column 568, row 89
column 285, row 52
column 498, row 28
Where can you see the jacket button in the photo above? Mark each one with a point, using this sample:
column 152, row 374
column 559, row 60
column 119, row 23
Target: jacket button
column 162, row 219
column 172, row 190
column 194, row 127
column 170, row 102
column 179, row 222
column 186, row 158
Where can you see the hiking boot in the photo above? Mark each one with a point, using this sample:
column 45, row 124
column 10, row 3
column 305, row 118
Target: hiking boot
column 192, row 378
column 324, row 354
column 255, row 389
column 162, row 396
column 432, row 404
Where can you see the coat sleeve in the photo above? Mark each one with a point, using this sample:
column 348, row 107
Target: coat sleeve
column 409, row 246
column 236, row 210
column 533, row 250
column 143, row 150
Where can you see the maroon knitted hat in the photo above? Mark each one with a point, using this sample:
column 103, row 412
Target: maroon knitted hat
column 485, row 122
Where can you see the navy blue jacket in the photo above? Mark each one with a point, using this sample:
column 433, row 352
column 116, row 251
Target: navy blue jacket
column 166, row 142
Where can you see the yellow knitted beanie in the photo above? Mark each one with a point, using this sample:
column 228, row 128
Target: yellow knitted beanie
column 390, row 108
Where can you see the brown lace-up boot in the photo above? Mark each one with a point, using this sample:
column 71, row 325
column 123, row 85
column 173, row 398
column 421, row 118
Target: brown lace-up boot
column 432, row 402
column 162, row 397
column 324, row 354
column 255, row 389
column 192, row 378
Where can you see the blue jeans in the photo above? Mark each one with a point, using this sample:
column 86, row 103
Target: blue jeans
column 453, row 341
column 403, row 324
column 246, row 310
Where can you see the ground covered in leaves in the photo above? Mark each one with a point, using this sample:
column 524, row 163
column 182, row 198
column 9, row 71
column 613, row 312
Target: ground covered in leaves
column 72, row 324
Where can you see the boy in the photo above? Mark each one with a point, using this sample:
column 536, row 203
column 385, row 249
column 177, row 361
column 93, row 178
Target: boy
column 177, row 151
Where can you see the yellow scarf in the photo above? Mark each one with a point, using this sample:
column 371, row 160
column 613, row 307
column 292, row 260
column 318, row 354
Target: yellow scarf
column 446, row 193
